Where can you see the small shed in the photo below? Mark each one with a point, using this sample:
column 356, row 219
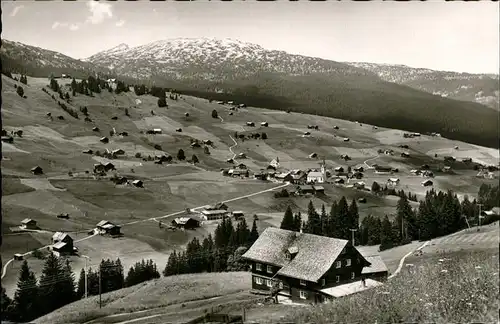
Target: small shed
column 186, row 222
column 319, row 189
column 8, row 139
column 313, row 155
column 37, row 170
column 339, row 169
column 251, row 124
column 307, row 133
column 405, row 154
column 242, row 155
column 109, row 166
column 157, row 131
column 238, row 214
column 138, row 183
column 63, row 215
column 118, row 152
column 377, row 270
column 88, row 152
column 427, row 183
column 95, row 129
column 359, row 169
column 305, row 189
column 264, row 124
column 346, row 139
column 28, row 223
column 339, row 181
column 179, row 130
column 99, row 167
column 104, row 139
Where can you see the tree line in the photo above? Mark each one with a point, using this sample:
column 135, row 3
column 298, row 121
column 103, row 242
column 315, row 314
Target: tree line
column 56, row 286
column 438, row 214
column 219, row 253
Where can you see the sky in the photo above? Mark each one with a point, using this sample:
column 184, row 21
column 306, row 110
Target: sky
column 449, row 36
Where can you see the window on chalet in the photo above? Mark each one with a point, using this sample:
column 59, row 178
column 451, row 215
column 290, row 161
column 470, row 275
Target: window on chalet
column 323, row 282
column 258, row 267
column 303, row 283
column 348, row 262
column 259, row 280
column 269, row 283
column 270, row 269
column 353, row 275
column 303, row 294
column 338, row 264
column 337, row 278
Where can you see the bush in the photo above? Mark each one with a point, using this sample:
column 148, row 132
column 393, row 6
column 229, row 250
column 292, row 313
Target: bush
column 214, row 114
column 20, row 91
column 138, row 155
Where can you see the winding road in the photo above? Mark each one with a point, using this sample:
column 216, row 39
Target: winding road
column 370, row 159
column 402, row 261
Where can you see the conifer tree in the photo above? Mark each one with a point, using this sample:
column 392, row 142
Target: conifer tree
column 287, row 223
column 333, row 222
column 25, row 305
column 342, row 212
column 5, row 303
column 55, row 285
column 195, row 159
column 180, row 155
column 254, row 234
column 313, row 220
column 353, row 218
column 386, row 235
column 80, row 290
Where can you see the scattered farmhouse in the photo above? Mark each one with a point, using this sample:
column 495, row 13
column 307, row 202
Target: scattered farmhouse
column 382, row 169
column 214, row 214
column 313, row 155
column 359, row 169
column 28, row 223
column 118, row 152
column 393, row 181
column 238, row 214
column 62, row 243
column 251, row 124
column 307, row 133
column 264, row 124
column 284, row 177
column 467, row 160
column 63, row 215
column 405, row 154
column 95, row 129
column 8, row 139
column 339, row 169
column 104, row 139
column 359, row 185
column 242, row 156
column 306, row 267
column 346, row 139
column 37, row 170
column 138, row 183
column 106, row 227
column 427, row 183
column 186, row 222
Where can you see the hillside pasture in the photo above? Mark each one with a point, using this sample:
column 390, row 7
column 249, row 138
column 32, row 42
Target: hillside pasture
column 11, row 186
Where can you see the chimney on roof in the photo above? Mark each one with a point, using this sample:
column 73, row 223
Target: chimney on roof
column 363, row 281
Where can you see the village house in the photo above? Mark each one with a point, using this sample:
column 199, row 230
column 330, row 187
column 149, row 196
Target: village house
column 237, row 214
column 446, row 169
column 359, row 169
column 339, row 169
column 298, row 176
column 106, row 227
column 214, row 214
column 37, row 170
column 62, row 243
column 495, row 211
column 382, row 169
column 284, row 177
column 359, row 185
column 8, row 139
column 306, row 267
column 405, row 154
column 186, row 222
column 357, row 175
column 339, row 181
column 427, row 174
column 207, row 142
column 261, row 175
column 118, row 152
column 393, row 181
column 28, row 223
column 305, row 189
column 241, row 166
column 318, row 189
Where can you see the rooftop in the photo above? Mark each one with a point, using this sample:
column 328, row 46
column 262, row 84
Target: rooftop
column 351, row 288
column 316, row 254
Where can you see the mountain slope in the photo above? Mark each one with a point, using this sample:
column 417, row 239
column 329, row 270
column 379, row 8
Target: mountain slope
column 272, row 79
column 480, row 88
column 39, row 62
column 245, row 71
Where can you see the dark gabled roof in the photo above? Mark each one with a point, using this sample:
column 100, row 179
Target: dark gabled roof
column 316, row 254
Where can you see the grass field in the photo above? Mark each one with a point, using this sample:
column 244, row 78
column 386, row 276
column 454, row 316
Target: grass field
column 57, row 146
column 154, row 294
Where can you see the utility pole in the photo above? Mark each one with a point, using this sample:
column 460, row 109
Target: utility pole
column 100, row 289
column 352, row 231
column 479, row 217
column 86, row 275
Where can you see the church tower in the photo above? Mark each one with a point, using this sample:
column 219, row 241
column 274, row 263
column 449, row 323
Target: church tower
column 323, row 171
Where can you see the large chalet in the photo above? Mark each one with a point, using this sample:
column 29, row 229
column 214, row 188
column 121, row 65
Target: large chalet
column 307, row 267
